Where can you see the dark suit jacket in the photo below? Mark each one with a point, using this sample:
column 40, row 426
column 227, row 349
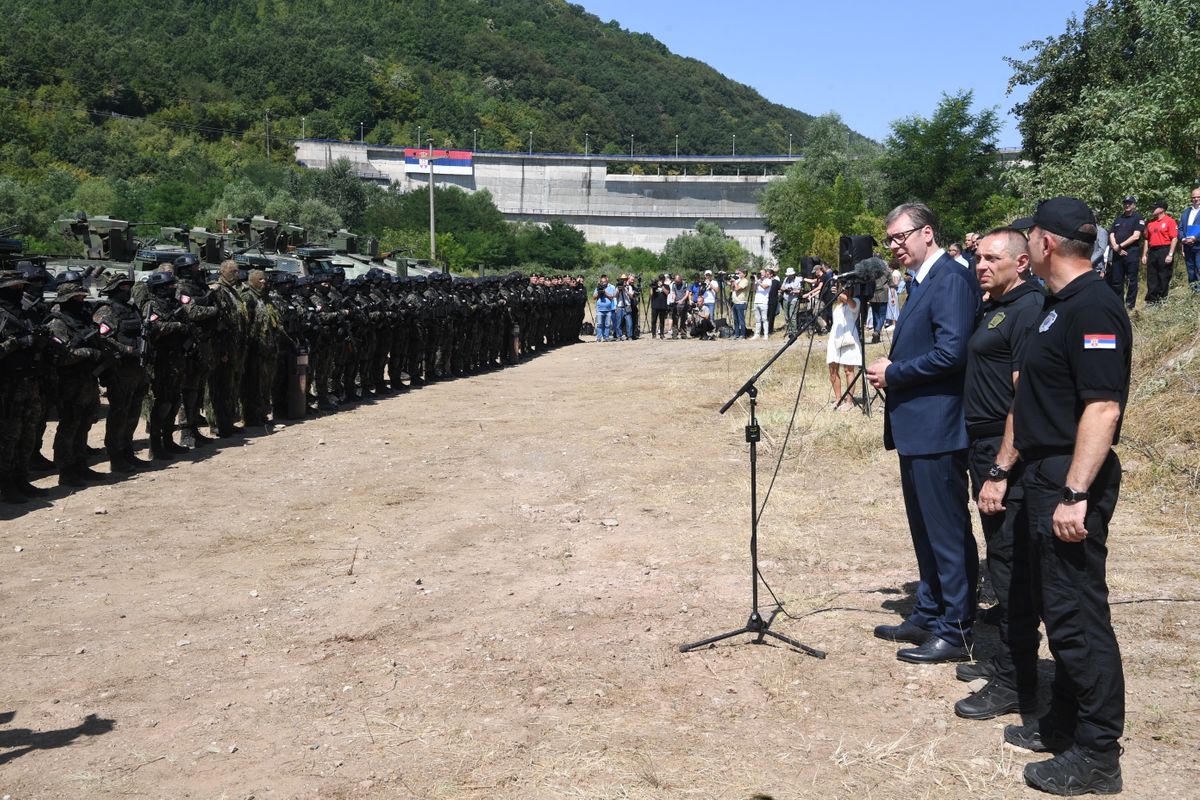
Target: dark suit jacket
column 929, row 356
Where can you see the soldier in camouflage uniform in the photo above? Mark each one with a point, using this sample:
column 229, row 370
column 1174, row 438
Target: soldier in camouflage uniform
column 126, row 383
column 401, row 323
column 168, row 341
column 23, row 349
column 229, row 351
column 262, row 353
column 79, row 363
column 199, row 309
column 290, row 339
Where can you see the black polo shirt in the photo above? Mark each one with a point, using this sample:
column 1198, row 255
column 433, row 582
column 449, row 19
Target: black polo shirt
column 994, row 353
column 1079, row 349
column 1124, row 226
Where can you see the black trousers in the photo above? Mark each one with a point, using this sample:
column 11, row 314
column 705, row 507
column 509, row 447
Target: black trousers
column 1088, row 696
column 1124, row 269
column 1011, row 568
column 1158, row 273
column 658, row 320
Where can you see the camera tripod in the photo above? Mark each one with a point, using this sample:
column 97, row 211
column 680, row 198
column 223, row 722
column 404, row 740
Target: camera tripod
column 869, row 393
column 757, row 625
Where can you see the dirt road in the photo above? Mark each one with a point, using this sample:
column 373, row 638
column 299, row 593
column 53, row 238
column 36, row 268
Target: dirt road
column 477, row 590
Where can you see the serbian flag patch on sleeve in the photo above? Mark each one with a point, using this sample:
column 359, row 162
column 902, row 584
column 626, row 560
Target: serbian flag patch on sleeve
column 1099, row 341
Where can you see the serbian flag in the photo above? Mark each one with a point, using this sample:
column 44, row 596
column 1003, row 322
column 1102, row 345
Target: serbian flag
column 444, row 162
column 1099, row 341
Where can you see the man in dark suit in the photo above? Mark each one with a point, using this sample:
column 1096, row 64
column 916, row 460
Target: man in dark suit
column 924, row 423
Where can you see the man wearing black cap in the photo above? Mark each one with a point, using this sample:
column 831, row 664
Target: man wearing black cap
column 127, row 383
column 1066, row 418
column 1125, row 237
column 1158, row 258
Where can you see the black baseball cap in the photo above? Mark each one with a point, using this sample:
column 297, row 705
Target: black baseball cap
column 1063, row 216
column 1129, row 199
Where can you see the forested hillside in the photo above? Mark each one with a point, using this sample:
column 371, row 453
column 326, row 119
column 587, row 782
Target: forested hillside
column 150, row 109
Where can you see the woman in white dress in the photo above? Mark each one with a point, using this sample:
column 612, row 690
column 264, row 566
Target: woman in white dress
column 893, row 305
column 843, row 352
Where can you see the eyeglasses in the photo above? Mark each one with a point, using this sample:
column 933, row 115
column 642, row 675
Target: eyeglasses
column 901, row 237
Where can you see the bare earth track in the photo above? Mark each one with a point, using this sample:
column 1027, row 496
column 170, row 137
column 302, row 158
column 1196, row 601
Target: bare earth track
column 418, row 598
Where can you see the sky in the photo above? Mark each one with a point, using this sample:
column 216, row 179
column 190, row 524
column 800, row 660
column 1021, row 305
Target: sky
column 870, row 61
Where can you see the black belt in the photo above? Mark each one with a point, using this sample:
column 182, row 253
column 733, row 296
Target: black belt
column 1159, row 246
column 980, row 430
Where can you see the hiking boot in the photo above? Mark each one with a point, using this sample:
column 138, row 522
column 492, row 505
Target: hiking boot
column 1040, row 736
column 993, row 700
column 976, row 669
column 1077, row 771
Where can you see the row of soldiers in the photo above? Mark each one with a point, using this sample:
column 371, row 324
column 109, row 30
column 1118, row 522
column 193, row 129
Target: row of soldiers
column 193, row 355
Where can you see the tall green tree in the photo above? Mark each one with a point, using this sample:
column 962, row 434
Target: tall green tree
column 947, row 161
column 1114, row 107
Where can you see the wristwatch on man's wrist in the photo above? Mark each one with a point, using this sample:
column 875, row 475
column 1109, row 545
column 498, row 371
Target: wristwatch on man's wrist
column 997, row 473
column 1069, row 495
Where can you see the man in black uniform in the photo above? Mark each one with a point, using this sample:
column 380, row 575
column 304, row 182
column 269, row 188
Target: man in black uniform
column 1125, row 237
column 993, row 364
column 1066, row 418
column 79, row 360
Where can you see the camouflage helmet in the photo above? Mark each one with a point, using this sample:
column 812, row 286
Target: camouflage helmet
column 69, row 290
column 11, row 279
column 116, row 281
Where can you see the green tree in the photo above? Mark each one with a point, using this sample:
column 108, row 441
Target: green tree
column 1114, row 108
column 947, row 161
column 706, row 248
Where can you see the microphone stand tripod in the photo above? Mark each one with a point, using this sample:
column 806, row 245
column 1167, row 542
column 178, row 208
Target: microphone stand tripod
column 757, row 625
column 866, row 400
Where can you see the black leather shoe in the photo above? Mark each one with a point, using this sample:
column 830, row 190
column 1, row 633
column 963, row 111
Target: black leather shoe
column 974, row 670
column 1077, row 771
column 1040, row 736
column 993, row 700
column 934, row 651
column 904, row 632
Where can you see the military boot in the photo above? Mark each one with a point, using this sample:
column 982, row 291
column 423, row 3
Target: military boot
column 132, row 460
column 1079, row 770
column 28, row 489
column 39, row 463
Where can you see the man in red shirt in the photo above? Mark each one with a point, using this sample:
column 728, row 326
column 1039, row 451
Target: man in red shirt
column 1158, row 260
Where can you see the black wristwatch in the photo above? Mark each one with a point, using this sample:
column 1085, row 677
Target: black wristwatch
column 1069, row 495
column 997, row 473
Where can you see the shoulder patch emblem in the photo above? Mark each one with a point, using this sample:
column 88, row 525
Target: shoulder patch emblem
column 1099, row 341
column 995, row 321
column 1047, row 322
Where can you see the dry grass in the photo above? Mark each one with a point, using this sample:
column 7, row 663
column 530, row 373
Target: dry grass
column 1162, row 421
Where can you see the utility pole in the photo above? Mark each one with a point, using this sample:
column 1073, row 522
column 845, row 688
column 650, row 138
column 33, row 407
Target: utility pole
column 789, row 145
column 474, row 139
column 735, row 144
column 418, row 137
column 531, row 143
column 302, row 133
column 677, row 145
column 586, row 137
column 267, row 128
column 361, row 134
column 432, row 223
column 631, row 145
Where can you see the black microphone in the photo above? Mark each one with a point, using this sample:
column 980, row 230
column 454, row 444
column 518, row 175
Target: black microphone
column 868, row 270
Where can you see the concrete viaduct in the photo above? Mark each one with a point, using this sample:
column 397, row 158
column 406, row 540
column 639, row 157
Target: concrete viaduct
column 633, row 210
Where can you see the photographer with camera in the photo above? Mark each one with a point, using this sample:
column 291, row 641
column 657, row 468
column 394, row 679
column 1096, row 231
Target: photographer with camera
column 660, row 290
column 603, row 295
column 762, row 301
column 741, row 293
column 679, row 298
column 622, row 310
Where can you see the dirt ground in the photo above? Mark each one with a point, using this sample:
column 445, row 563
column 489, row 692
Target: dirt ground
column 421, row 597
